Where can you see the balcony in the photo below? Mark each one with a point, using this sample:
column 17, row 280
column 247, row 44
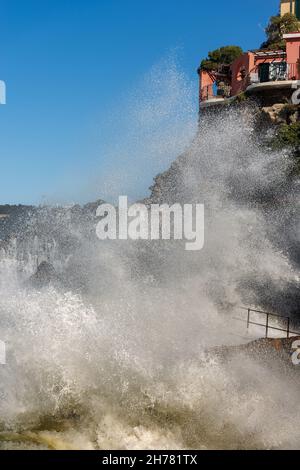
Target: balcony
column 266, row 75
column 274, row 72
column 215, row 92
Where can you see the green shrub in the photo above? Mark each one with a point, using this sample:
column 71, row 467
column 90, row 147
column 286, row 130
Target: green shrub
column 288, row 136
column 278, row 26
column 222, row 56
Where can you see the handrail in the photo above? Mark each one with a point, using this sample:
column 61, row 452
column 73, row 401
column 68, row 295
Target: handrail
column 291, row 73
column 207, row 92
column 266, row 325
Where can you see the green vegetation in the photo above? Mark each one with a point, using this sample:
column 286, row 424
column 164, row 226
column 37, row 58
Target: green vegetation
column 241, row 97
column 278, row 26
column 288, row 136
column 290, row 113
column 219, row 57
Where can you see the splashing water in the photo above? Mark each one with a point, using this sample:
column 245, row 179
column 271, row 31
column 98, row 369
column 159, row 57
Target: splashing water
column 116, row 356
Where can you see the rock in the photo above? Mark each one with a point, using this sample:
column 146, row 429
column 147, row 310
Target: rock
column 281, row 113
column 44, row 275
column 274, row 113
column 277, row 350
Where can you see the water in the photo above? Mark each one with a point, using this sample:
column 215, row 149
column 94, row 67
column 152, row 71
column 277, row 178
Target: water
column 114, row 355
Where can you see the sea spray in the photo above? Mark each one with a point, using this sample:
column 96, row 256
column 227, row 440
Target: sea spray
column 116, row 357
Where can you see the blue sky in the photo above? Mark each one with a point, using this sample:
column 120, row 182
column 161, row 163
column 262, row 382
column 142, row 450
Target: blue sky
column 102, row 94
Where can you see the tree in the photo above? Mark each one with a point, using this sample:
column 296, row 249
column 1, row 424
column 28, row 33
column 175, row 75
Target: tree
column 222, row 56
column 279, row 25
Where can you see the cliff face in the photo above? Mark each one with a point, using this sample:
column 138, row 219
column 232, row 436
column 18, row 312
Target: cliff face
column 267, row 126
column 26, row 221
column 243, row 166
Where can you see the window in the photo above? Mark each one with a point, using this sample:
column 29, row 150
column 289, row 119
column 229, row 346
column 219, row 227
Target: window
column 297, row 9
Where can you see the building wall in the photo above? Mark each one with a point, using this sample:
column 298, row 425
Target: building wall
column 292, row 51
column 287, row 6
column 248, row 64
column 290, row 6
column 244, row 64
column 205, row 86
column 293, row 55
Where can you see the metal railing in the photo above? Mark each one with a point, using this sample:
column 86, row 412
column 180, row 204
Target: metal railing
column 208, row 92
column 288, row 331
column 278, row 71
column 292, row 71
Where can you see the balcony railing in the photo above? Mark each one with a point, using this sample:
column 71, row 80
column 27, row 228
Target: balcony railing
column 208, row 92
column 262, row 73
column 273, row 72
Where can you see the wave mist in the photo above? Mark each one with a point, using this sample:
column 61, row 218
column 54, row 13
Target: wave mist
column 118, row 352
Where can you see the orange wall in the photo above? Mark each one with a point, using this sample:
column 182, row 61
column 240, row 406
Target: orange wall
column 285, row 7
column 293, row 50
column 245, row 62
column 206, row 81
column 250, row 65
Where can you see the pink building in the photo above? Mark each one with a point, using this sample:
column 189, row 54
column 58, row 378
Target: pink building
column 292, row 47
column 262, row 69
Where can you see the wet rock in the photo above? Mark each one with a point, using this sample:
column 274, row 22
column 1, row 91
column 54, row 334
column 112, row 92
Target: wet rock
column 274, row 113
column 45, row 275
column 266, row 350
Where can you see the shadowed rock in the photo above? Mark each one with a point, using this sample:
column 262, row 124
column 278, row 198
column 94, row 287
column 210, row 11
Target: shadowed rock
column 44, row 275
column 277, row 351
